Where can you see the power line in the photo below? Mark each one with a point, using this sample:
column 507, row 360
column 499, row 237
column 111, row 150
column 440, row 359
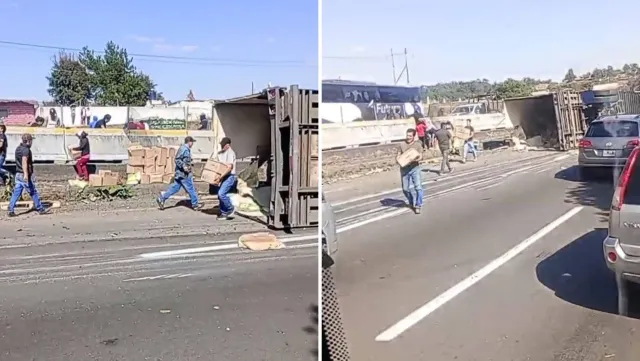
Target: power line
column 174, row 59
column 373, row 57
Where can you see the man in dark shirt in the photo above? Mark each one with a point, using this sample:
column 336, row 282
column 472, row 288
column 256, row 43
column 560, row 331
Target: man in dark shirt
column 25, row 179
column 443, row 136
column 85, row 150
column 4, row 174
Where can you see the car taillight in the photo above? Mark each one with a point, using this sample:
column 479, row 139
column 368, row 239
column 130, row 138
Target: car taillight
column 633, row 143
column 585, row 143
column 613, row 257
column 618, row 195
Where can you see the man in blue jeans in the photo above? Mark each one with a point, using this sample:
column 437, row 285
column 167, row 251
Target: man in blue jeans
column 24, row 177
column 411, row 176
column 183, row 177
column 4, row 174
column 230, row 181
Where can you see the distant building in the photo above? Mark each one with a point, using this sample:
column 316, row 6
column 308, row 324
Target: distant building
column 18, row 113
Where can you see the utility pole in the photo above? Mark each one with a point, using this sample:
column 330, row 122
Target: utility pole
column 406, row 64
column 405, row 69
column 252, row 88
column 393, row 65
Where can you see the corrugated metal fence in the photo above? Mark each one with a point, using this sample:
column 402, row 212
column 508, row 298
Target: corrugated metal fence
column 629, row 103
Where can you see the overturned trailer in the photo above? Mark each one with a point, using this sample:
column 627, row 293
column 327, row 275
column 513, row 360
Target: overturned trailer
column 276, row 130
column 557, row 118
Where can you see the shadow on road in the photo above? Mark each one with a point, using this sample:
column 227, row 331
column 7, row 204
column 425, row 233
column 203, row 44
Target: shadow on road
column 393, row 202
column 596, row 193
column 313, row 328
column 578, row 274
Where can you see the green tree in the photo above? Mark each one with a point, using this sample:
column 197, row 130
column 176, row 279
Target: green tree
column 109, row 79
column 69, row 81
column 512, row 88
column 115, row 79
column 569, row 77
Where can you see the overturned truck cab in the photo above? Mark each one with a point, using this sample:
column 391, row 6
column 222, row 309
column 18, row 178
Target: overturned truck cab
column 275, row 136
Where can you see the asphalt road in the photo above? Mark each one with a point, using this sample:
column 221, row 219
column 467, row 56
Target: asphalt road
column 504, row 263
column 201, row 298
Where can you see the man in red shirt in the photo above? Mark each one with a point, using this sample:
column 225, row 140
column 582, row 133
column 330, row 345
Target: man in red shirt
column 421, row 130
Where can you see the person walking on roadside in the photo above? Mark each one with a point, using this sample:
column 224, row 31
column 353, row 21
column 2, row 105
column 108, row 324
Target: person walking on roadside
column 229, row 182
column 183, row 177
column 421, row 129
column 411, row 176
column 443, row 136
column 469, row 147
column 85, row 153
column 4, row 174
column 25, row 179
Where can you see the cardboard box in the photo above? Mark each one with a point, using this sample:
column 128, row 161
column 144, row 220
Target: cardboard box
column 170, row 168
column 145, row 179
column 148, row 162
column 214, row 171
column 161, row 161
column 136, row 151
column 150, row 153
column 95, row 180
column 173, row 150
column 149, row 169
column 167, row 178
column 156, row 178
column 75, row 154
column 133, row 169
column 136, row 161
column 110, row 179
column 162, row 153
column 410, row 155
column 103, row 172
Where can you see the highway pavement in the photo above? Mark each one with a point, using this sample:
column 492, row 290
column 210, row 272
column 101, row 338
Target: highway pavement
column 504, row 263
column 174, row 297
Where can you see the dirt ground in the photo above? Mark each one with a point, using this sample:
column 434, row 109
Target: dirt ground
column 52, row 182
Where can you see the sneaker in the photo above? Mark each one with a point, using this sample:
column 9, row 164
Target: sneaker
column 198, row 207
column 11, row 214
column 464, row 161
column 160, row 204
column 231, row 214
column 418, row 210
column 44, row 211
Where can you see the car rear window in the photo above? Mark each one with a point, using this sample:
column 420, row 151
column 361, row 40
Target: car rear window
column 613, row 129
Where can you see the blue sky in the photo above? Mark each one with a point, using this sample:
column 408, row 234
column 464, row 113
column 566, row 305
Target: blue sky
column 470, row 39
column 253, row 30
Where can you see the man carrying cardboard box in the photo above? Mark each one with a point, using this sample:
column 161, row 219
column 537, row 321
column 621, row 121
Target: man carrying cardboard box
column 85, row 150
column 228, row 182
column 410, row 172
column 183, row 177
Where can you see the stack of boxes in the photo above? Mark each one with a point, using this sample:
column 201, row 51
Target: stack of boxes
column 104, row 178
column 155, row 164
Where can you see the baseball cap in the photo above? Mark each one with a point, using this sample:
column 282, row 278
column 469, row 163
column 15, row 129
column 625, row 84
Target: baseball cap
column 189, row 139
column 224, row 141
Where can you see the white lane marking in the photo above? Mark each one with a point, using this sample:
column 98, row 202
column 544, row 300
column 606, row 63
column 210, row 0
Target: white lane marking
column 185, row 251
column 545, row 169
column 422, row 312
column 371, row 220
column 489, row 186
column 453, row 176
column 438, row 181
column 427, row 197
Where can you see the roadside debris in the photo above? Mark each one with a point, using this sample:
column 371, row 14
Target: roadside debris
column 261, row 241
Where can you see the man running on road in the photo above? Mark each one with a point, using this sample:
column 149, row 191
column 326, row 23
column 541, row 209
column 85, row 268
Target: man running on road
column 443, row 135
column 411, row 176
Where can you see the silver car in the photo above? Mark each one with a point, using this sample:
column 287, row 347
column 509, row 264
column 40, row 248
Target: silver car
column 622, row 245
column 608, row 143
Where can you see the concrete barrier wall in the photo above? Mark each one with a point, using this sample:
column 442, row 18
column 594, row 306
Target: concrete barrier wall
column 355, row 134
column 106, row 144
